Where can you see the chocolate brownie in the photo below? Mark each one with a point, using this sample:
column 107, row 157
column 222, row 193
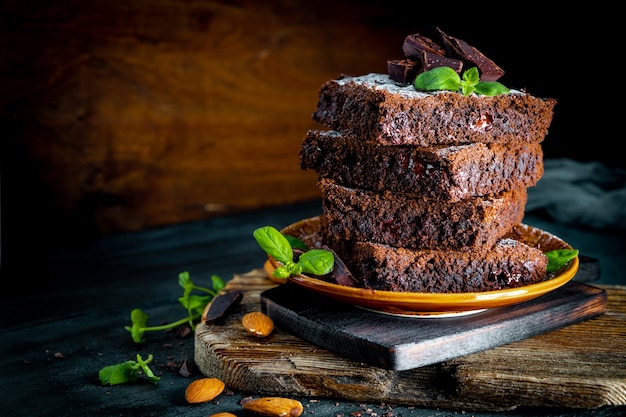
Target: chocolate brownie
column 439, row 172
column 375, row 107
column 509, row 263
column 419, row 222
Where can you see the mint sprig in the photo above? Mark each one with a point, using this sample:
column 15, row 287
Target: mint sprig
column 128, row 371
column 445, row 78
column 193, row 303
column 280, row 247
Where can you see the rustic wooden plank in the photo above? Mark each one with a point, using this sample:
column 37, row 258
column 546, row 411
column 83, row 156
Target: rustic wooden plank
column 582, row 365
column 124, row 116
column 401, row 343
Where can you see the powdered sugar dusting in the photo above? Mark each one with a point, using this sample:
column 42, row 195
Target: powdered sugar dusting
column 384, row 82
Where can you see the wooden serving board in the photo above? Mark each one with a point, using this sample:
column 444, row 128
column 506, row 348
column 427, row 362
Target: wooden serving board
column 582, row 365
column 401, row 343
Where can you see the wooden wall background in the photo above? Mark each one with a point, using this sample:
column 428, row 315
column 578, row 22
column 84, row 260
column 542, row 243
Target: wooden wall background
column 126, row 115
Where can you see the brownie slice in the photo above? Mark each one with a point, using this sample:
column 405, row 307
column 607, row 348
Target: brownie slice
column 419, row 222
column 449, row 173
column 507, row 264
column 376, row 108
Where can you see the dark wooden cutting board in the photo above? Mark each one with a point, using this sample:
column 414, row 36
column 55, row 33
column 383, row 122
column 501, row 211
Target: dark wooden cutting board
column 401, row 343
column 581, row 365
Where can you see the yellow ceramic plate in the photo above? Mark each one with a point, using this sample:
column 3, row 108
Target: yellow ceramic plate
column 429, row 304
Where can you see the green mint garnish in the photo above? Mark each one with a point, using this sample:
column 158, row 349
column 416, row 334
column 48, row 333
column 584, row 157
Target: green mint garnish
column 296, row 243
column 445, row 78
column 280, row 247
column 559, row 257
column 274, row 243
column 193, row 303
column 127, row 372
column 440, row 78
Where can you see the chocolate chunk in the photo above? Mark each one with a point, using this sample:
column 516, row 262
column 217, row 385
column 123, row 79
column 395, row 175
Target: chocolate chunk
column 489, row 71
column 430, row 60
column 402, row 70
column 416, row 43
column 449, row 45
column 222, row 304
column 341, row 274
column 455, row 47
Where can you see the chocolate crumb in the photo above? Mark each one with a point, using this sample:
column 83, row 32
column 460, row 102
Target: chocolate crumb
column 184, row 331
column 186, row 368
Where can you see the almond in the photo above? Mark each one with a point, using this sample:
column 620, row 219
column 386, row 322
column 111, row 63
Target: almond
column 258, row 324
column 274, row 407
column 203, row 390
column 223, row 415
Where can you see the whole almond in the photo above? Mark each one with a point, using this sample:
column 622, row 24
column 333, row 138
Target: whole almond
column 224, row 414
column 258, row 324
column 275, row 407
column 203, row 390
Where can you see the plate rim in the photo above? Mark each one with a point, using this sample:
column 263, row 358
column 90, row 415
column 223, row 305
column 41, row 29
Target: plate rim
column 431, row 303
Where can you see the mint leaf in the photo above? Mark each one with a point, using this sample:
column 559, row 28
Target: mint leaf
column 296, row 243
column 185, row 281
column 127, row 372
column 274, row 243
column 440, row 78
column 146, row 369
column 195, row 304
column 490, row 88
column 559, row 257
column 317, row 262
column 119, row 374
column 217, row 283
column 139, row 319
column 445, row 78
column 471, row 76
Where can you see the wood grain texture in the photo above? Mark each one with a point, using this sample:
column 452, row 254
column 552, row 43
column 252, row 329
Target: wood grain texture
column 402, row 343
column 128, row 115
column 121, row 116
column 579, row 366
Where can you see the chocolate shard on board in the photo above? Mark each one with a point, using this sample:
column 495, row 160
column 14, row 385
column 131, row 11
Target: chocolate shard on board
column 488, row 69
column 221, row 305
column 416, row 43
column 402, row 70
column 430, row 60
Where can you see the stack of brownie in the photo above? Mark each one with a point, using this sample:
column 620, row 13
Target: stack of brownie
column 424, row 191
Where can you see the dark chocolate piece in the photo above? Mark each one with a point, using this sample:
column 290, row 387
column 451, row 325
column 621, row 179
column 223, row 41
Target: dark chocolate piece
column 416, row 43
column 450, row 47
column 402, row 70
column 341, row 274
column 431, row 60
column 456, row 47
column 222, row 304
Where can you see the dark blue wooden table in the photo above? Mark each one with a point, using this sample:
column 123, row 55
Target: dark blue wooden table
column 59, row 332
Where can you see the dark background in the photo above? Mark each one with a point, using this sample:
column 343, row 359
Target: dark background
column 133, row 115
